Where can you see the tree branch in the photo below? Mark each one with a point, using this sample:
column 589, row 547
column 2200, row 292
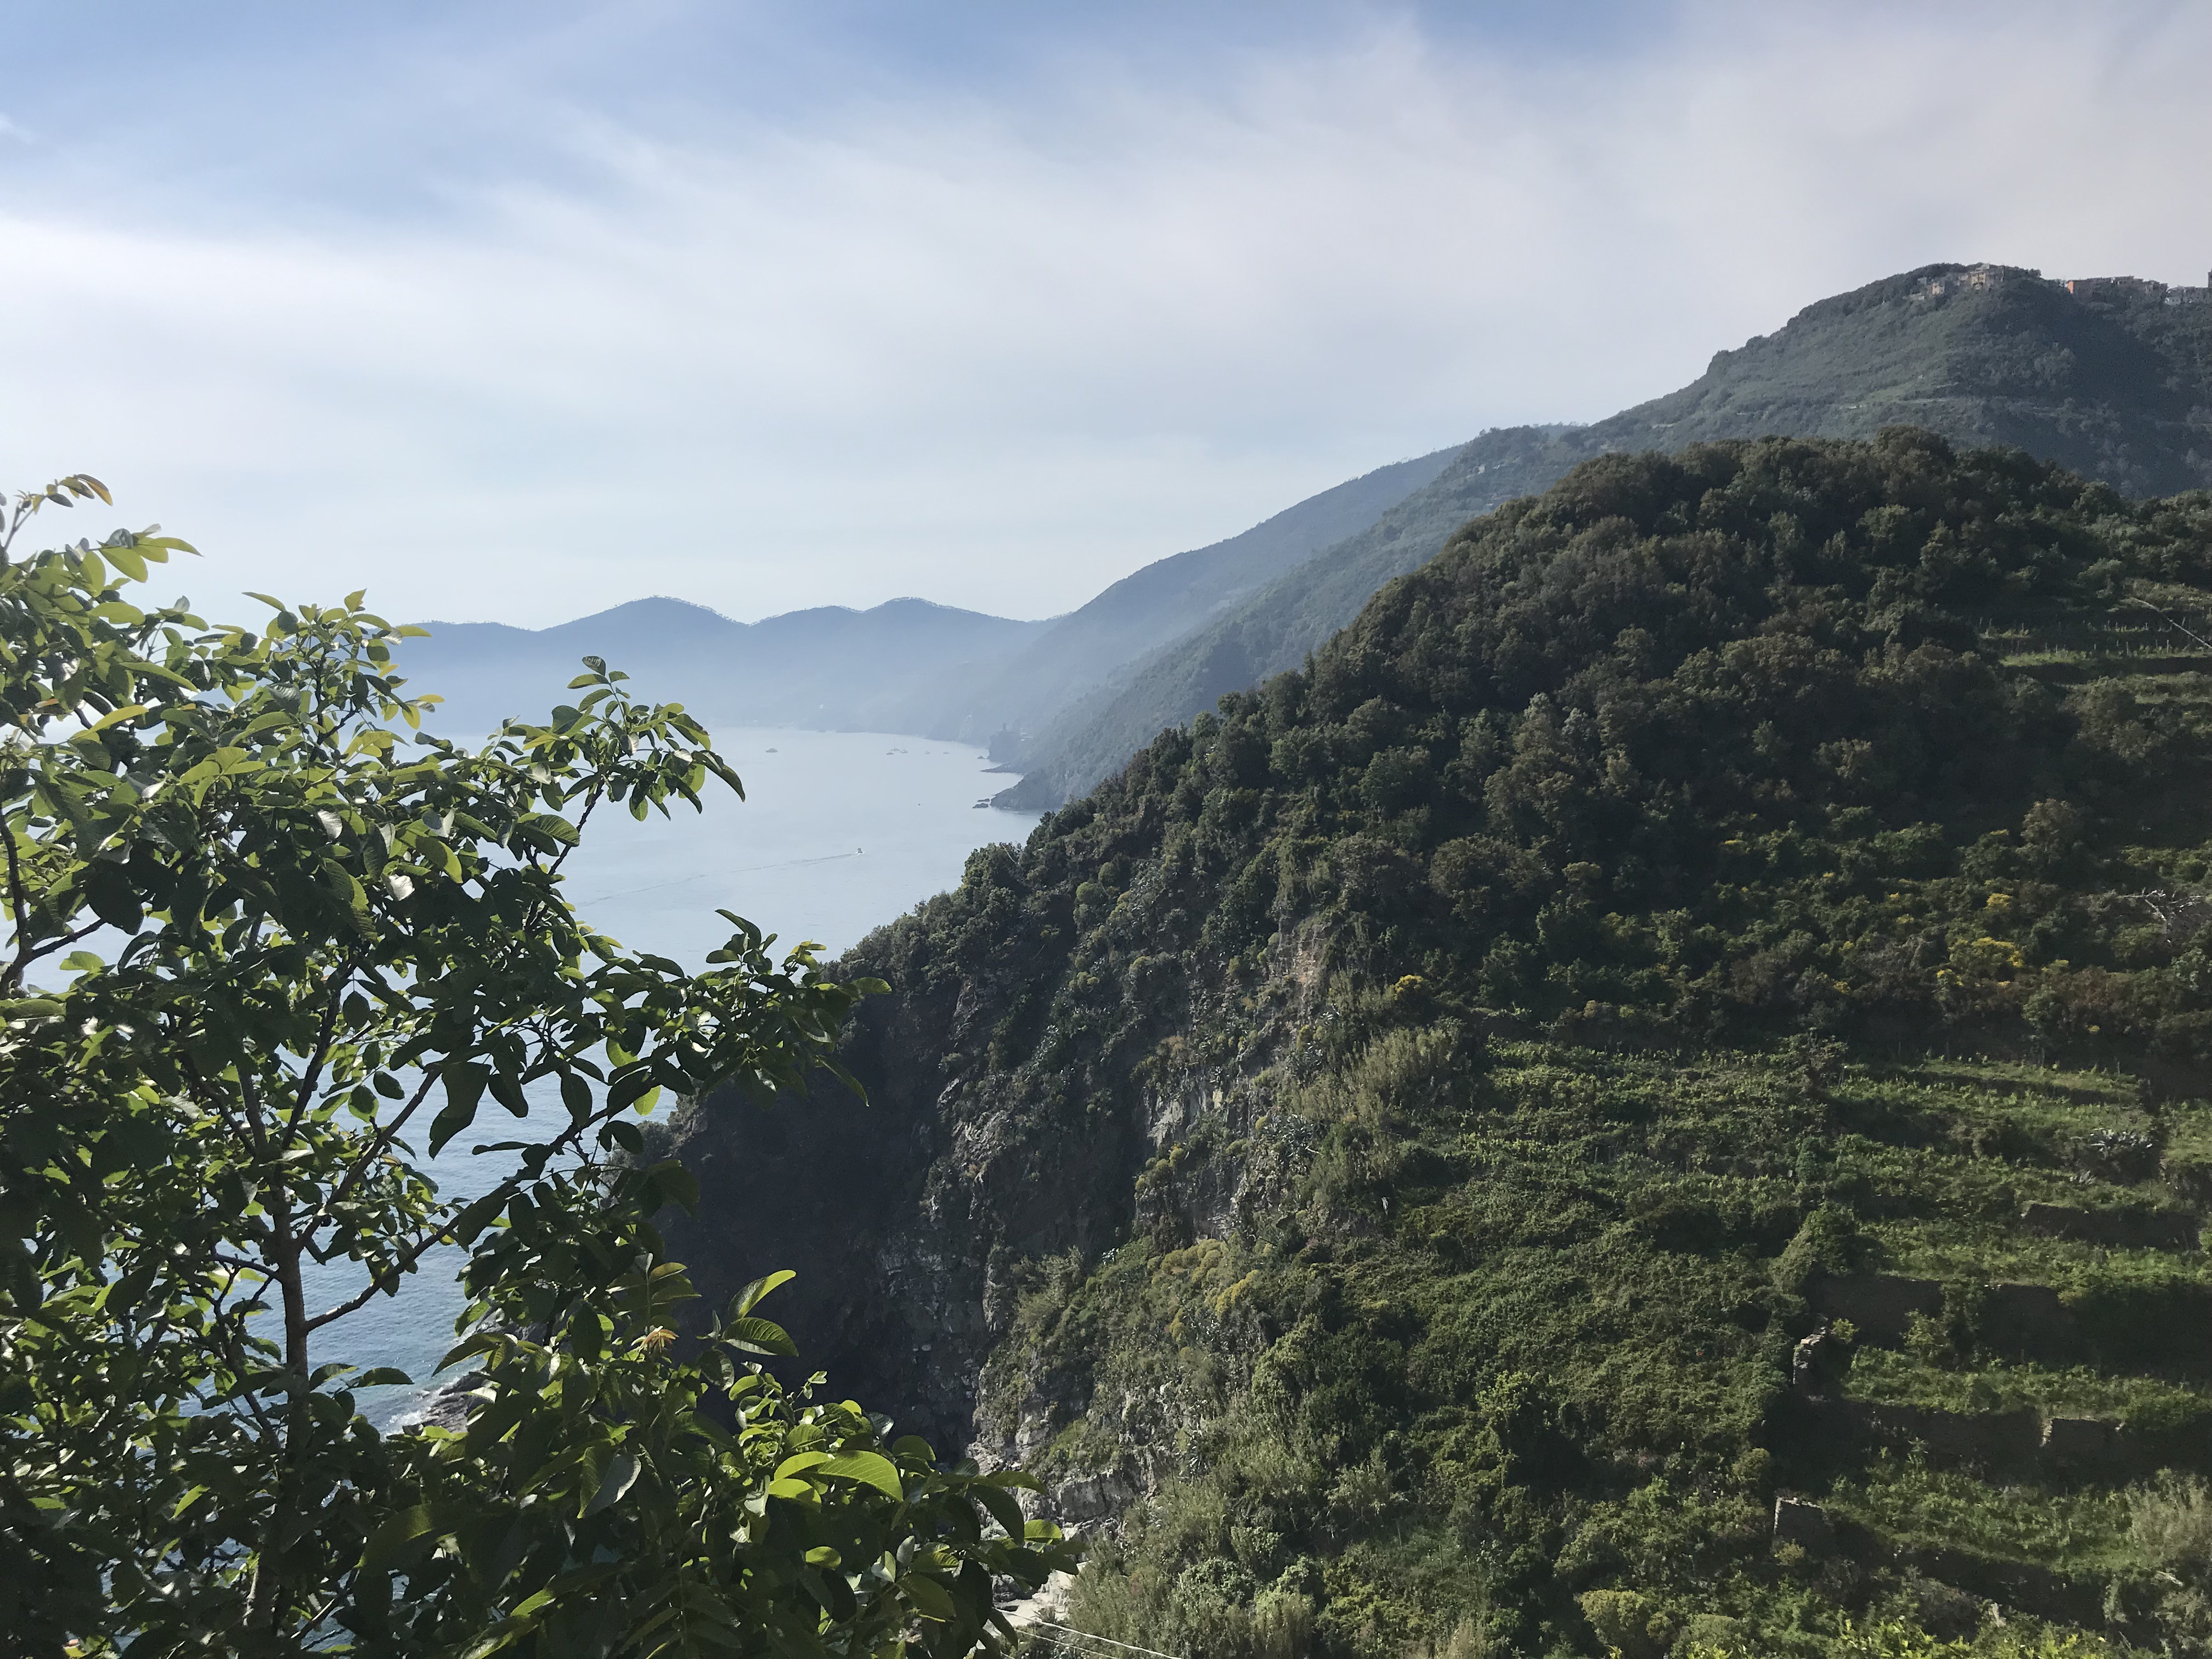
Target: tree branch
column 341, row 976
column 378, row 1144
column 26, row 956
column 14, row 977
column 383, row 1279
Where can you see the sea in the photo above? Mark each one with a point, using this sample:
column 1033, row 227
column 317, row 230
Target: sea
column 839, row 833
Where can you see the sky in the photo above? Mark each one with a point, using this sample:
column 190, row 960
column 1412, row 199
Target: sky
column 513, row 312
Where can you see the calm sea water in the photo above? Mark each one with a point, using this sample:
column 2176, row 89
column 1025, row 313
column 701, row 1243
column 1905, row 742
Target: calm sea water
column 839, row 832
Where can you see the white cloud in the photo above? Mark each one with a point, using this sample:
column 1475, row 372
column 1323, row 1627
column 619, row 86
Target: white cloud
column 1001, row 350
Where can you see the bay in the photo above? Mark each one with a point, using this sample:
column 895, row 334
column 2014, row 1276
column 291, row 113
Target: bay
column 839, row 833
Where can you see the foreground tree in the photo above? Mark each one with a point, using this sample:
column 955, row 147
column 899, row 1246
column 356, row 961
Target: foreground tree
column 327, row 943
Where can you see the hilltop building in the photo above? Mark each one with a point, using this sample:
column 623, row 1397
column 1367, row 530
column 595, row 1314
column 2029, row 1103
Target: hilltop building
column 1971, row 278
column 2084, row 288
column 1963, row 279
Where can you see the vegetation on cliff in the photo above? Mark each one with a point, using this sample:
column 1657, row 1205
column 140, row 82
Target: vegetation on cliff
column 1393, row 1142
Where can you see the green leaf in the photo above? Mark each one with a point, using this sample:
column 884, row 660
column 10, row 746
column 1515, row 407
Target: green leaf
column 343, row 883
column 395, row 1533
column 931, row 1599
column 630, row 1086
column 464, row 1082
column 872, row 1469
column 622, row 1474
column 127, row 712
column 465, row 1087
column 113, row 900
column 553, row 827
column 508, row 1093
column 759, row 1336
column 721, row 770
column 477, row 1215
column 750, row 1296
column 1001, row 1505
column 576, row 1095
column 676, row 1184
column 471, row 1346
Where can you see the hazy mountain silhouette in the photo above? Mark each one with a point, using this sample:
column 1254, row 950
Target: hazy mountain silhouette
column 830, row 667
column 906, row 665
column 1089, row 647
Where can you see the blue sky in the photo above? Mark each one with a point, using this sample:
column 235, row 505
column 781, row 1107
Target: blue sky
column 514, row 311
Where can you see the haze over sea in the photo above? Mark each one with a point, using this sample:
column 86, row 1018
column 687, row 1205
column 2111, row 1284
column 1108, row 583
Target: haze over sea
column 839, row 832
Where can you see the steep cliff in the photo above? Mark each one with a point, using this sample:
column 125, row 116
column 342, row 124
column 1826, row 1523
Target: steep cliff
column 1390, row 1152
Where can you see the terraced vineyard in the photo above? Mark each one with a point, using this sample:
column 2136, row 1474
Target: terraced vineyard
column 1652, row 1099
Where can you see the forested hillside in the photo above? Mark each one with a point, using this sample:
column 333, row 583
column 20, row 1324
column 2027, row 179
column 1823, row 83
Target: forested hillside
column 2115, row 384
column 1699, row 996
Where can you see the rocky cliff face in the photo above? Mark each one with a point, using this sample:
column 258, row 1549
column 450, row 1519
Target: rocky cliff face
column 915, row 1219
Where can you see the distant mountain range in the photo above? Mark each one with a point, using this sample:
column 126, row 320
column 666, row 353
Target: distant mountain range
column 905, row 666
column 2112, row 379
column 830, row 668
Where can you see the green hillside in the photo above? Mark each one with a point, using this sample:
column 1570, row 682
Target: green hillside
column 2115, row 384
column 1388, row 1155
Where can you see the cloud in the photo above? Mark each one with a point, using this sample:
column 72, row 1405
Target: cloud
column 998, row 345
